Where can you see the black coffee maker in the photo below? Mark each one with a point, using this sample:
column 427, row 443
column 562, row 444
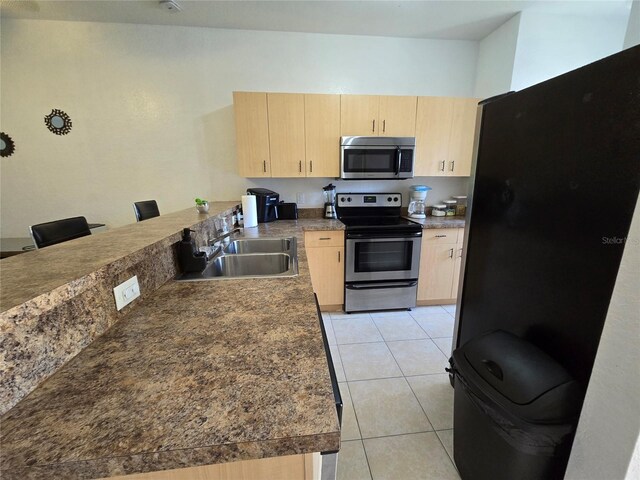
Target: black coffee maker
column 266, row 202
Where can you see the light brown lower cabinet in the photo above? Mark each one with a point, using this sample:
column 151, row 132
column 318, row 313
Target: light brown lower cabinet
column 325, row 255
column 290, row 467
column 440, row 261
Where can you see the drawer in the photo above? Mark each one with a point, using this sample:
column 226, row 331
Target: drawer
column 324, row 238
column 440, row 235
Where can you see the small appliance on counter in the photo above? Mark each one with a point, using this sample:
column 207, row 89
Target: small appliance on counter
column 287, row 211
column 418, row 195
column 267, row 203
column 329, row 201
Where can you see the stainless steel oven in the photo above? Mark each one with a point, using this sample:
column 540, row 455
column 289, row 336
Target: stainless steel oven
column 382, row 254
column 372, row 257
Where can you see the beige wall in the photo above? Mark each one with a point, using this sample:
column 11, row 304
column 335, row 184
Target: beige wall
column 152, row 109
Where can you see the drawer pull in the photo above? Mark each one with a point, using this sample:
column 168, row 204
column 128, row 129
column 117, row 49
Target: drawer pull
column 440, row 236
column 325, row 238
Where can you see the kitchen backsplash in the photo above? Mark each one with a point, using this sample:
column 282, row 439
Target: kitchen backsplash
column 290, row 189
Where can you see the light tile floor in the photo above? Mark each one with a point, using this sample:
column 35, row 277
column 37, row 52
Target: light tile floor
column 398, row 404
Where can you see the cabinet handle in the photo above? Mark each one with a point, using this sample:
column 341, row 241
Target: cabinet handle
column 442, row 167
column 373, row 126
column 440, row 236
column 460, row 256
column 300, row 166
column 325, row 238
column 310, row 166
column 264, row 166
column 452, row 165
column 451, row 253
column 338, row 256
column 384, row 126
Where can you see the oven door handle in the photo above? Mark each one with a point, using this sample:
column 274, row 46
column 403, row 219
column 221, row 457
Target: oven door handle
column 382, row 236
column 373, row 286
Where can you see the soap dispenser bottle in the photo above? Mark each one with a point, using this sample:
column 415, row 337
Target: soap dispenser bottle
column 189, row 258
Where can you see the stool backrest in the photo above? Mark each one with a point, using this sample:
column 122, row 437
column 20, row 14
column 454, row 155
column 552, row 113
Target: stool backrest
column 145, row 210
column 50, row 233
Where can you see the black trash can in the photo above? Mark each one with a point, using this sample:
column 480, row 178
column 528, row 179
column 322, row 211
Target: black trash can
column 515, row 410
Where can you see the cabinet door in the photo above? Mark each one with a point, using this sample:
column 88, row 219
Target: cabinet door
column 457, row 264
column 252, row 134
column 359, row 115
column 286, row 134
column 322, row 135
column 397, row 116
column 326, row 265
column 433, row 132
column 436, row 271
column 463, row 129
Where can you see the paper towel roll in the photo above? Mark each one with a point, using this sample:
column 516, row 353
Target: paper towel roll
column 249, row 211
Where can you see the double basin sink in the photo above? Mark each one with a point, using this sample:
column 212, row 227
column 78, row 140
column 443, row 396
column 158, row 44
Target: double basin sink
column 251, row 258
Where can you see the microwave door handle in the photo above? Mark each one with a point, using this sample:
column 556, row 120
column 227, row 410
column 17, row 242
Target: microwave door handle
column 398, row 159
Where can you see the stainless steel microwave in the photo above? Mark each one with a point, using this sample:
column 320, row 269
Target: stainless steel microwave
column 377, row 158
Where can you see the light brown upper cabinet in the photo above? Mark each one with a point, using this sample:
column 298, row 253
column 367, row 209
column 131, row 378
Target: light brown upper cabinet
column 322, row 135
column 397, row 117
column 445, row 129
column 373, row 115
column 252, row 134
column 286, row 134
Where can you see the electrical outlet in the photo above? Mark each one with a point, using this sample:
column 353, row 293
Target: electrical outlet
column 300, row 199
column 126, row 292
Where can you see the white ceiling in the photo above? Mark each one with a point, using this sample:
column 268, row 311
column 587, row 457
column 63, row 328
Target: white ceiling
column 445, row 19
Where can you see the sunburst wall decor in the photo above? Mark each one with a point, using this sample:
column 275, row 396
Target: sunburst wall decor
column 7, row 147
column 58, row 122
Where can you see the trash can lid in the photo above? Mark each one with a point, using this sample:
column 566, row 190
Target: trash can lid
column 529, row 382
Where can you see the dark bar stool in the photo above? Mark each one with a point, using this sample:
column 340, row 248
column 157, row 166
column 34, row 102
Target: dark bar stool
column 145, row 210
column 50, row 233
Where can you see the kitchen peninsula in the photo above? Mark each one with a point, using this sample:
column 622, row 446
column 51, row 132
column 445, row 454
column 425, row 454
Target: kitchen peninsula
column 191, row 374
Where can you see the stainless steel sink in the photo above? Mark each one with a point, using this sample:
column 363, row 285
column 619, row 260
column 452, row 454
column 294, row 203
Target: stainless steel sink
column 251, row 258
column 259, row 245
column 250, row 265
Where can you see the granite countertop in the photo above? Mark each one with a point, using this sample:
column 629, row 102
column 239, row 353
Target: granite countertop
column 23, row 277
column 439, row 222
column 198, row 373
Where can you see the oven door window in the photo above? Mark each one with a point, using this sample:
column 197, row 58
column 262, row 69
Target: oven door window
column 371, row 257
column 357, row 160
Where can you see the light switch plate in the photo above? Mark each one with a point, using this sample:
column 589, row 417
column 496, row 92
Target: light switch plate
column 126, row 292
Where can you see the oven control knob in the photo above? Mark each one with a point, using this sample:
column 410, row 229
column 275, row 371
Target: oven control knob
column 388, row 199
column 342, row 199
column 348, row 199
column 395, row 199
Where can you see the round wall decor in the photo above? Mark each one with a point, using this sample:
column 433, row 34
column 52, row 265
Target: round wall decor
column 7, row 147
column 58, row 122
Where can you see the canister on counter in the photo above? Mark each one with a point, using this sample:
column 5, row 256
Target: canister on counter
column 439, row 210
column 450, row 207
column 461, row 206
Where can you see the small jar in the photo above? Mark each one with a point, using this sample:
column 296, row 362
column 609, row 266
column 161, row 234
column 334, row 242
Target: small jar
column 439, row 210
column 461, row 206
column 450, row 209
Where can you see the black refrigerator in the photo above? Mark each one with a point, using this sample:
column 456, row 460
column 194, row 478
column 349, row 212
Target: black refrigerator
column 555, row 183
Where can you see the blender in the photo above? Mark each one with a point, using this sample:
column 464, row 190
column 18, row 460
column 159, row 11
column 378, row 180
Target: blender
column 329, row 201
column 418, row 195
